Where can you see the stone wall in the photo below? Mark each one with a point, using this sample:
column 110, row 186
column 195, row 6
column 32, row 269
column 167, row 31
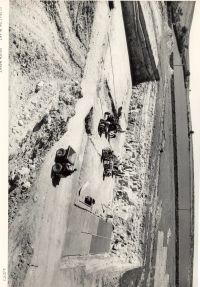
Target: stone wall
column 131, row 190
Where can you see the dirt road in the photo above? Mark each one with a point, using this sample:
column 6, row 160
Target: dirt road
column 184, row 177
column 164, row 256
column 170, row 263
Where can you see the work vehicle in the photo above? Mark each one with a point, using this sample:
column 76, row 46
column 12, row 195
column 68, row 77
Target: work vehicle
column 64, row 162
column 111, row 164
column 103, row 128
column 109, row 125
column 107, row 158
column 89, row 200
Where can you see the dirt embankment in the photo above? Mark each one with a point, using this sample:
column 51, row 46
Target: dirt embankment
column 47, row 57
column 131, row 190
column 49, row 41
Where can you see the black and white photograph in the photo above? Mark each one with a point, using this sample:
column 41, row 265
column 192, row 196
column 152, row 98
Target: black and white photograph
column 100, row 169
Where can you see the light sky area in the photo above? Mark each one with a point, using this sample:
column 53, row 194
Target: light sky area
column 194, row 47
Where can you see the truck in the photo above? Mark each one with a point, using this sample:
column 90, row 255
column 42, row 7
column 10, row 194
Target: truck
column 64, row 162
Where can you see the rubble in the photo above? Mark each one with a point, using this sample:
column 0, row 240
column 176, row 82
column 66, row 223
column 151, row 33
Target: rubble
column 39, row 86
column 20, row 123
column 131, row 190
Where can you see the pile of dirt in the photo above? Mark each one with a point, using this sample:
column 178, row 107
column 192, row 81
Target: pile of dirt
column 132, row 188
column 47, row 58
column 25, row 251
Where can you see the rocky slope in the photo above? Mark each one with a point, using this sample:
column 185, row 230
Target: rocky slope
column 132, row 189
column 47, row 58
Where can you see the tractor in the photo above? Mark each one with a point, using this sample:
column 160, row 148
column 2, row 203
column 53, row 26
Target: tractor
column 64, row 163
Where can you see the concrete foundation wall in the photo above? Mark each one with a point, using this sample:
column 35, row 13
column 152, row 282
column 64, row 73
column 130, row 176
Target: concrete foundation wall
column 142, row 59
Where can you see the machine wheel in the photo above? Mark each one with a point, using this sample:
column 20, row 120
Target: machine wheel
column 57, row 168
column 106, row 114
column 101, row 156
column 119, row 113
column 99, row 130
column 60, row 155
column 104, row 175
